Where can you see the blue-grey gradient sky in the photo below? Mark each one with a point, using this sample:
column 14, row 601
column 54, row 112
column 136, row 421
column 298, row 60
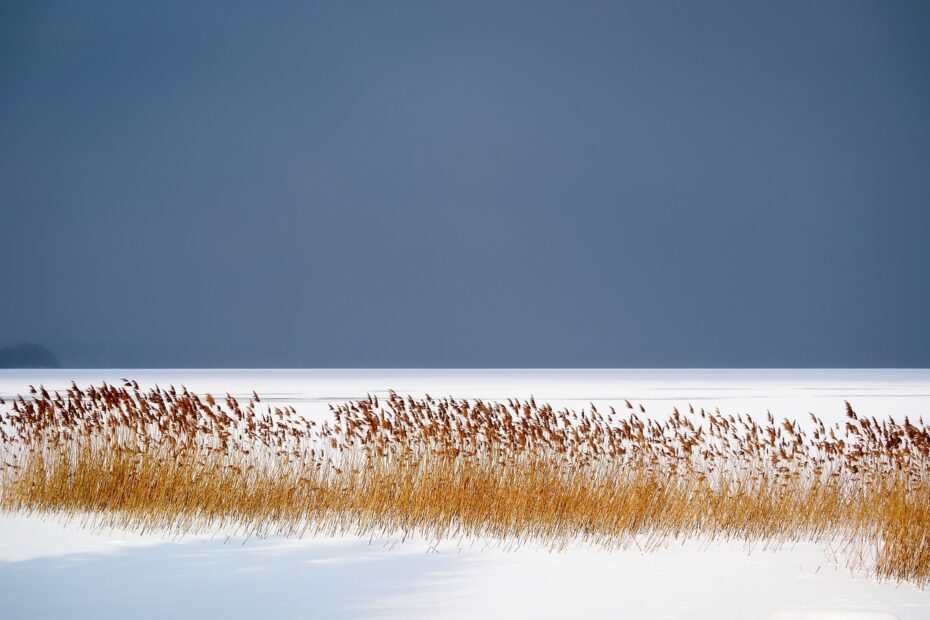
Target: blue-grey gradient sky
column 458, row 183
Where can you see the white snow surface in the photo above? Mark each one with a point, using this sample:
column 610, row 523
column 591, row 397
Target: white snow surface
column 50, row 568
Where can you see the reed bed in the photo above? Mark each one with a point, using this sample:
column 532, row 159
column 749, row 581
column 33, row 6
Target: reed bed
column 172, row 460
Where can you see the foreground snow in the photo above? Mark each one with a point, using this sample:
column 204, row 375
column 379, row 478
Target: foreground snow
column 50, row 569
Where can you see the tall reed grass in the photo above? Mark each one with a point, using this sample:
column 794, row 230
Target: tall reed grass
column 176, row 461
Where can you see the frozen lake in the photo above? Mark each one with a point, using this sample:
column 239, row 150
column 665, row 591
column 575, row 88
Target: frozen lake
column 49, row 569
column 787, row 393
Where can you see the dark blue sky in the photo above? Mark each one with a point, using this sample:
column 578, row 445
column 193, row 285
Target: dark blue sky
column 467, row 183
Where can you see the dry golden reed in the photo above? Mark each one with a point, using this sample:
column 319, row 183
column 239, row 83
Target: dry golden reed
column 173, row 460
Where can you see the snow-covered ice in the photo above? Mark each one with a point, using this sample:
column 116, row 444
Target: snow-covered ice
column 53, row 569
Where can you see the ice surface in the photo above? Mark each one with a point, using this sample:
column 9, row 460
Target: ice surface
column 49, row 569
column 833, row 615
